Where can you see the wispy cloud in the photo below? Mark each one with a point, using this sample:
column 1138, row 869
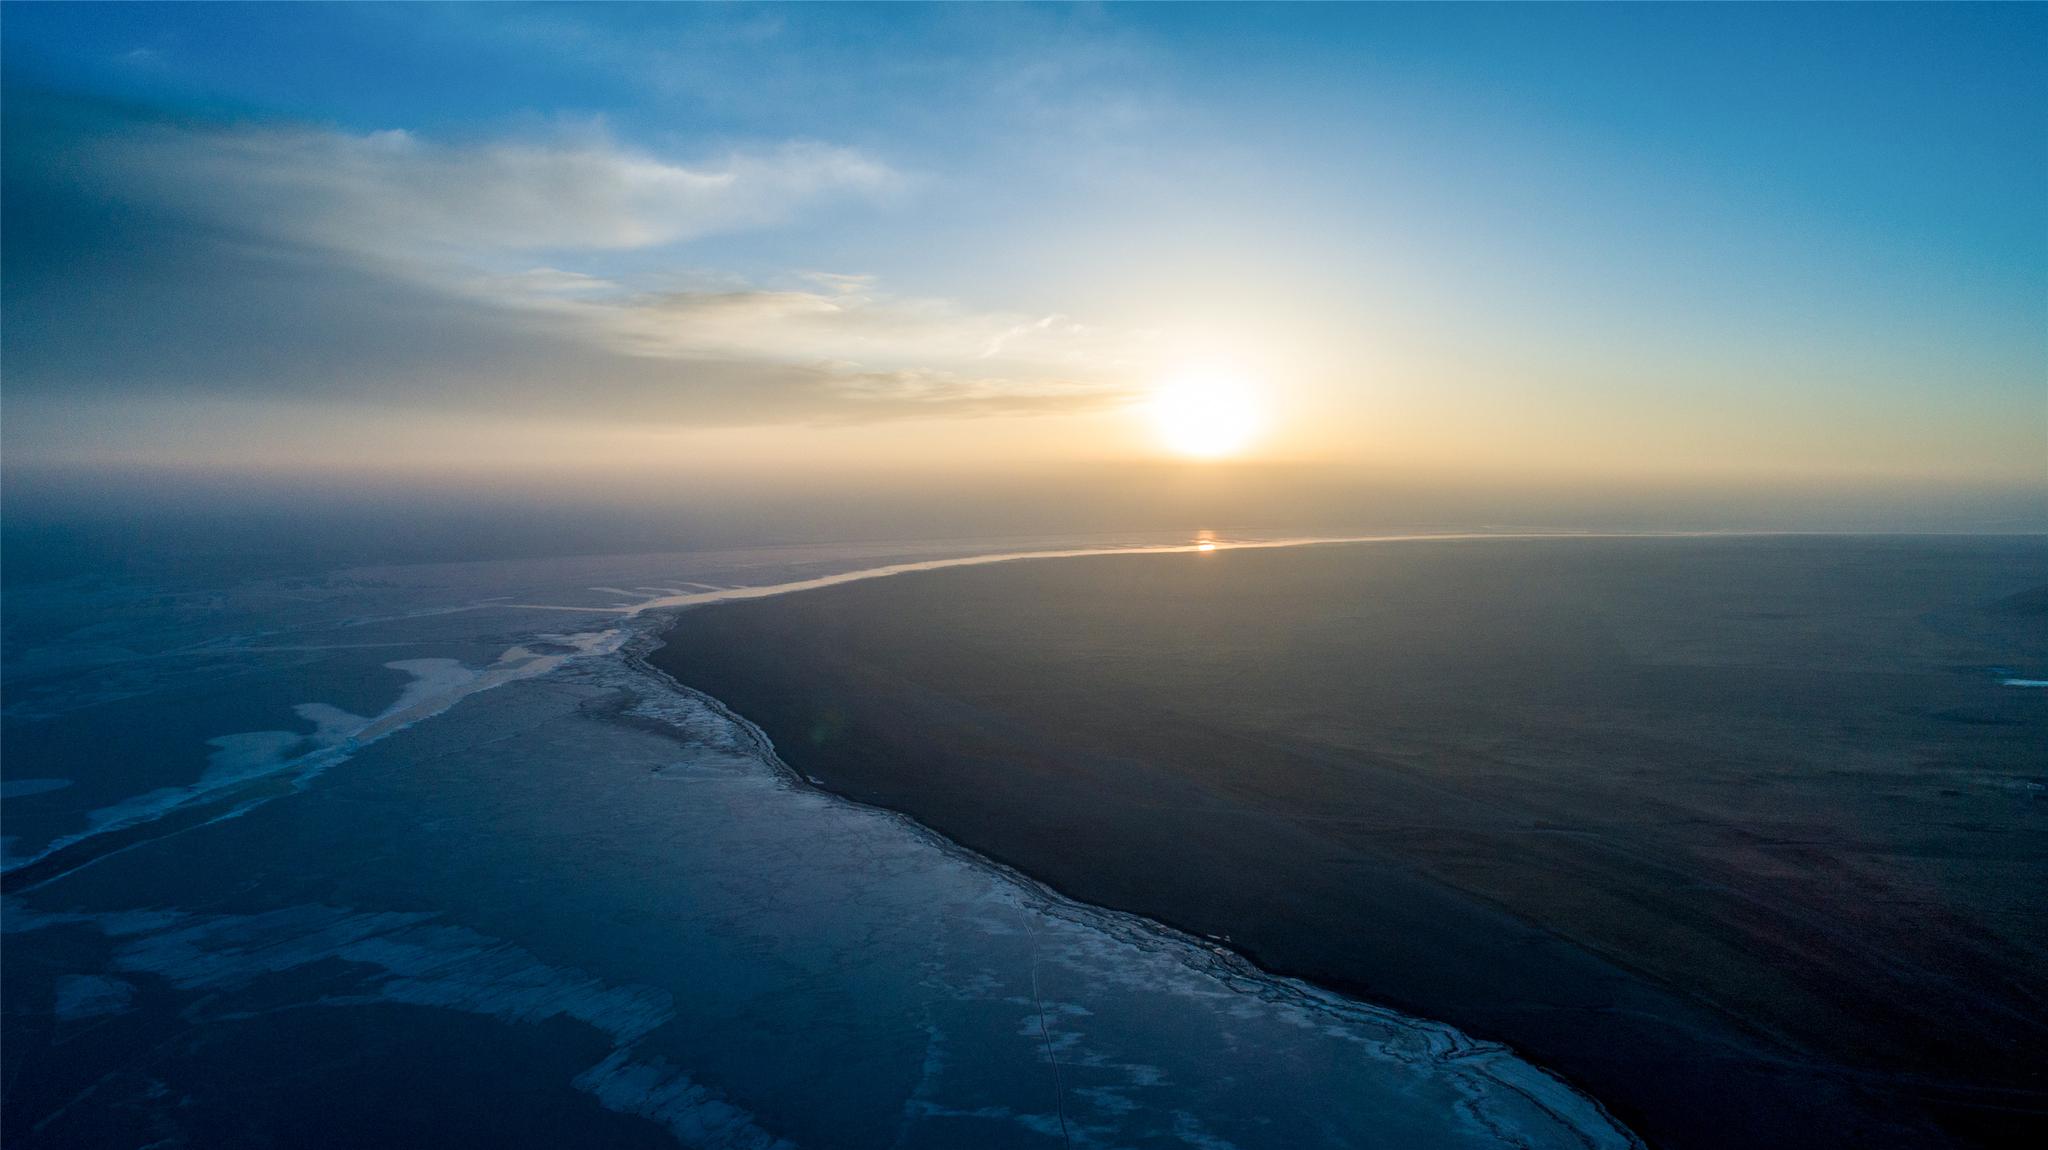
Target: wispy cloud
column 504, row 264
column 866, row 328
column 395, row 195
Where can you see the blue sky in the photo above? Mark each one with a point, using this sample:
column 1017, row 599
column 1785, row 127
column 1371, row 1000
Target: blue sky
column 1725, row 238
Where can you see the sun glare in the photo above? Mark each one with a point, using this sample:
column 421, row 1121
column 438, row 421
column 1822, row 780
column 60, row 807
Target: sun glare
column 1206, row 415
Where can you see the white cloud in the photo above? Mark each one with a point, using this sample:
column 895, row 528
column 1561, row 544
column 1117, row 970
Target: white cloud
column 393, row 195
column 857, row 329
column 841, row 283
column 532, row 233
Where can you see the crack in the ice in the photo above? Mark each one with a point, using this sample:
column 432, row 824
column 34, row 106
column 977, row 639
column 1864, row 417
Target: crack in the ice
column 1059, row 1094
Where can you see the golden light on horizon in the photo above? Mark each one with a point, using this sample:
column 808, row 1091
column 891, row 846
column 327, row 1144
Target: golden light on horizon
column 1206, row 414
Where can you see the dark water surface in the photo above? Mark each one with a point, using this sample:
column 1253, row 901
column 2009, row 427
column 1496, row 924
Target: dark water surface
column 1745, row 835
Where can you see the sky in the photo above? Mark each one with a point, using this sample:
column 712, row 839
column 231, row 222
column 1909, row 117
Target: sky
column 1754, row 248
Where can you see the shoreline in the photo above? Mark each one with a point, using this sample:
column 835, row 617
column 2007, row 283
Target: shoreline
column 1448, row 1042
column 745, row 593
column 1231, row 950
column 1741, row 1066
column 647, row 625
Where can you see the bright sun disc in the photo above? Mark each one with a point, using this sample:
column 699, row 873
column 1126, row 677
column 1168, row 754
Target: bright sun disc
column 1206, row 416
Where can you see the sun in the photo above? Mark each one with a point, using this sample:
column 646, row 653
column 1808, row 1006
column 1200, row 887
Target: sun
column 1206, row 414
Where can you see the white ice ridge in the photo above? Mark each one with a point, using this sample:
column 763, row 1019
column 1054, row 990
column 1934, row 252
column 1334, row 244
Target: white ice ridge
column 439, row 684
column 846, row 934
column 249, row 756
column 1017, row 990
column 728, row 594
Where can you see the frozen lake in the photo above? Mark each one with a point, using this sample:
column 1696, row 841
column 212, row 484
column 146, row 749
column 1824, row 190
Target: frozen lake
column 428, row 854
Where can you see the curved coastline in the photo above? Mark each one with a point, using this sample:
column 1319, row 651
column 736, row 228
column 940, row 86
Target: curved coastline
column 823, row 864
column 1444, row 1045
column 1674, row 1063
column 222, row 793
column 1119, row 987
column 635, row 629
